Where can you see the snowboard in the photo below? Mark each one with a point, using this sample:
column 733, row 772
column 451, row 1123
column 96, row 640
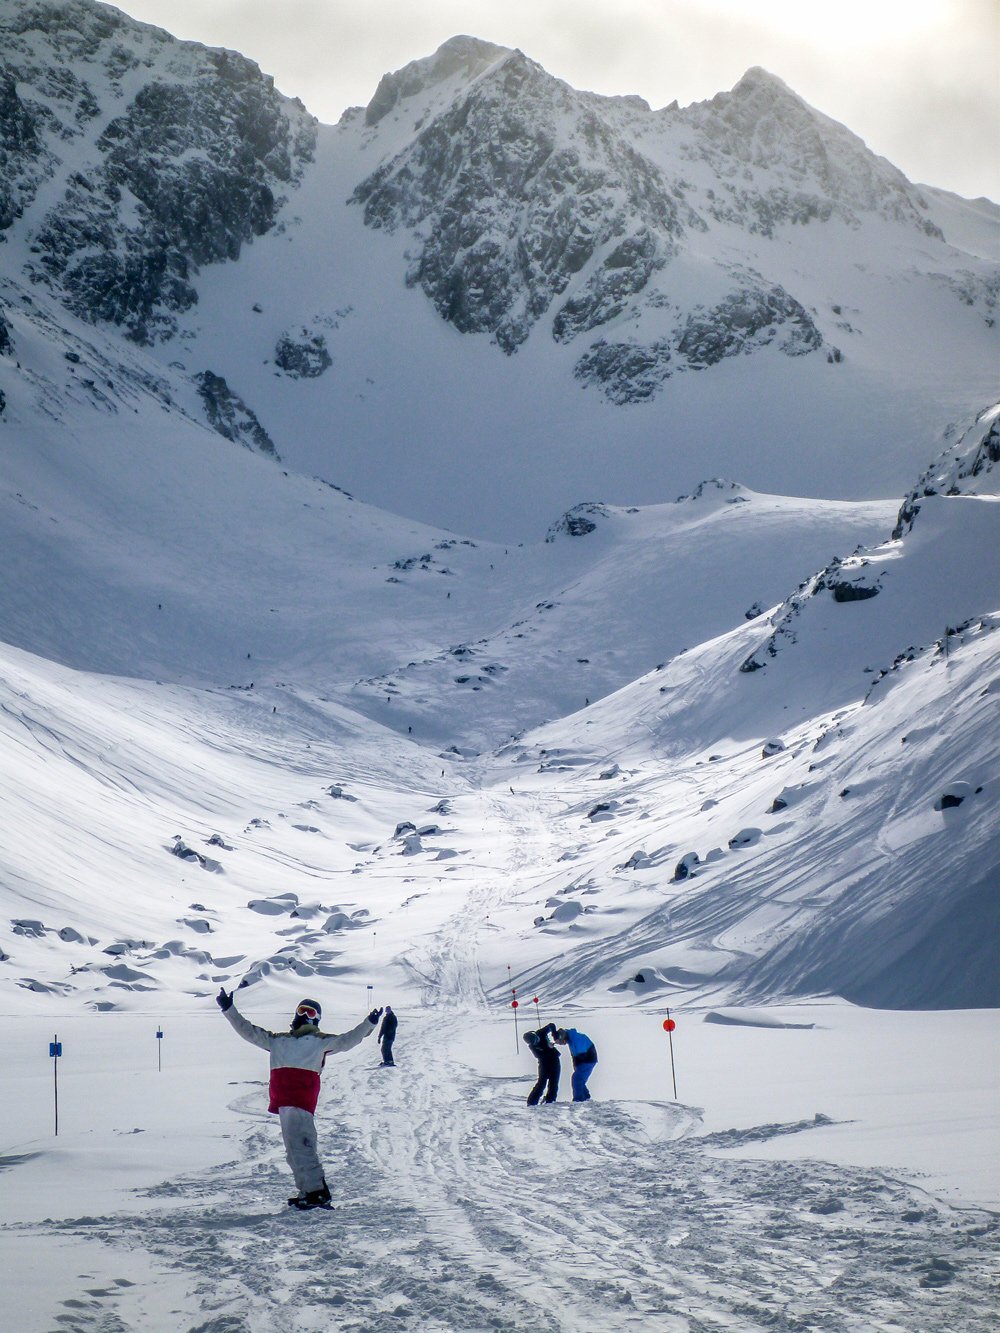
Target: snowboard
column 330, row 1207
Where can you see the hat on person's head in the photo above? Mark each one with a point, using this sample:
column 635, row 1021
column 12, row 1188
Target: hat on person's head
column 561, row 1034
column 307, row 1011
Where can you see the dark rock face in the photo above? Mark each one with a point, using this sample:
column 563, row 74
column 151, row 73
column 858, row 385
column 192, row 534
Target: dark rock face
column 6, row 336
column 578, row 521
column 304, row 356
column 188, row 171
column 844, row 591
column 626, row 372
column 623, row 274
column 24, row 161
column 6, row 349
column 464, row 57
column 517, row 187
column 751, row 317
column 958, row 471
column 229, row 415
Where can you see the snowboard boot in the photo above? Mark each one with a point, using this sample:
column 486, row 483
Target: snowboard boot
column 313, row 1199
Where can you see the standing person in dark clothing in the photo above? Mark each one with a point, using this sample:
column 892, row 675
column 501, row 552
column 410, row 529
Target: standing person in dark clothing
column 387, row 1035
column 584, row 1054
column 548, row 1063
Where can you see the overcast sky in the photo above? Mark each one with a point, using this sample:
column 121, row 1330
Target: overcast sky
column 918, row 80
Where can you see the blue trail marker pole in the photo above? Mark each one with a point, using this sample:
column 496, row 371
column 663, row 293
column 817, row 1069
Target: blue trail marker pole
column 159, row 1049
column 370, row 1005
column 55, row 1050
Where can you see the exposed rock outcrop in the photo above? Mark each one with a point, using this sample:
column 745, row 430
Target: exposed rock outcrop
column 229, row 415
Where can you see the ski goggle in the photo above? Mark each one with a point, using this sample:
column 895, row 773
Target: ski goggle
column 307, row 1011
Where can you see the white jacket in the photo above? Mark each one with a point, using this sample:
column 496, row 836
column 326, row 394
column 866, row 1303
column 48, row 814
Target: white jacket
column 297, row 1057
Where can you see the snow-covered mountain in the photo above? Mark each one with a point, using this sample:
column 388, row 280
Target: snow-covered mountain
column 736, row 288
column 489, row 548
column 161, row 526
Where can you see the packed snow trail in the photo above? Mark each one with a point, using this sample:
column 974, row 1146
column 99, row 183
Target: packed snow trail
column 459, row 1208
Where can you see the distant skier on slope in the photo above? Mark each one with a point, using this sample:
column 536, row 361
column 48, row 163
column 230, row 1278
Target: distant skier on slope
column 387, row 1035
column 297, row 1056
column 548, row 1064
column 584, row 1054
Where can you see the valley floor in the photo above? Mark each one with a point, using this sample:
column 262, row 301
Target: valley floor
column 459, row 1208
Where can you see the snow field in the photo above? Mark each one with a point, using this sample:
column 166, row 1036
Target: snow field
column 460, row 1208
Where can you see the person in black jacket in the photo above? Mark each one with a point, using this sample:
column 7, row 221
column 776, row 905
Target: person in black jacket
column 548, row 1063
column 387, row 1035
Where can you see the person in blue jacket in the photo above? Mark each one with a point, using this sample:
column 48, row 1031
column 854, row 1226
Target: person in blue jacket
column 584, row 1054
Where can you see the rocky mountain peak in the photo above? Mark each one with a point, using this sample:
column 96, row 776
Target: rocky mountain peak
column 518, row 187
column 763, row 125
column 459, row 57
column 760, row 85
column 531, row 204
column 179, row 156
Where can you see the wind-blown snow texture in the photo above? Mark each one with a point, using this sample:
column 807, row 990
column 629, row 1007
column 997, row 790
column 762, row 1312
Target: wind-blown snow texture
column 589, row 722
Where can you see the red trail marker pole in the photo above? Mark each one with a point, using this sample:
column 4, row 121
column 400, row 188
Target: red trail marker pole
column 669, row 1026
column 513, row 1005
column 538, row 1019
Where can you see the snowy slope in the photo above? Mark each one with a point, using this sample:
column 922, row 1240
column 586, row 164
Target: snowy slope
column 167, row 551
column 667, row 766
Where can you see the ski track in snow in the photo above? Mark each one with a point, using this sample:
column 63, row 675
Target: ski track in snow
column 459, row 1208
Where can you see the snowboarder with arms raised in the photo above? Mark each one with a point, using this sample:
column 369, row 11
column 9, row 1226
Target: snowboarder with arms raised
column 548, row 1064
column 584, row 1054
column 297, row 1056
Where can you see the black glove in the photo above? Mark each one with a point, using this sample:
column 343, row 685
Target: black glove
column 224, row 999
column 373, row 1017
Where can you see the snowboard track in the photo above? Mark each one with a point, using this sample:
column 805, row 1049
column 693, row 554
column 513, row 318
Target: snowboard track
column 462, row 1209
